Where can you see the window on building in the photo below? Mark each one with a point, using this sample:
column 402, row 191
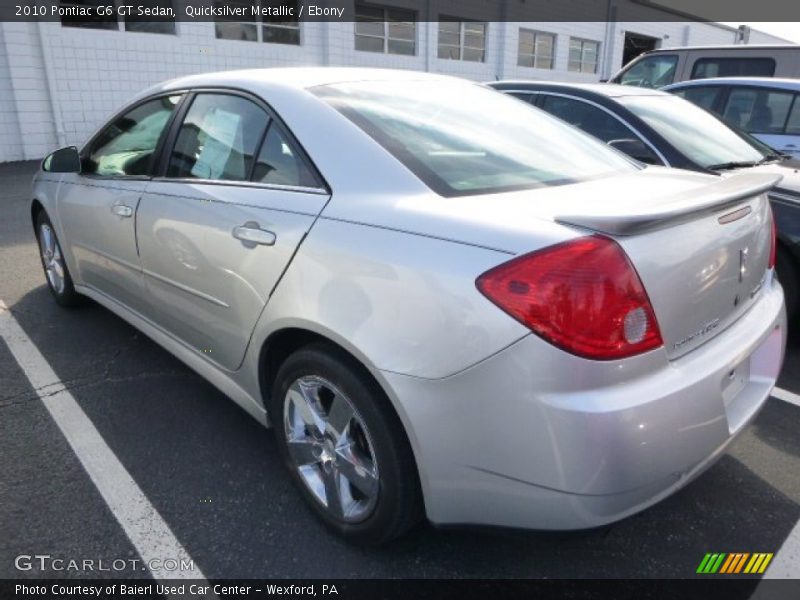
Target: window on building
column 385, row 29
column 733, row 67
column 758, row 110
column 462, row 40
column 218, row 139
column 72, row 18
column 230, row 28
column 583, row 55
column 283, row 30
column 126, row 147
column 152, row 24
column 536, row 49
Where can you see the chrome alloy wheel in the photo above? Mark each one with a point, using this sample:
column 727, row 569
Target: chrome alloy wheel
column 330, row 447
column 52, row 258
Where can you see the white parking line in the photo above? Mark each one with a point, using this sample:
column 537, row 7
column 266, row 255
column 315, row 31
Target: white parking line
column 145, row 528
column 786, row 562
column 786, row 396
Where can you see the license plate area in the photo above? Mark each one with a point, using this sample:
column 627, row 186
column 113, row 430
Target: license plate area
column 737, row 404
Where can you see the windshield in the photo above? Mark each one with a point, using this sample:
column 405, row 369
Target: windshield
column 463, row 138
column 694, row 132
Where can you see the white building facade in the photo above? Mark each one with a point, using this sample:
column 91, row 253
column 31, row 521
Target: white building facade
column 58, row 83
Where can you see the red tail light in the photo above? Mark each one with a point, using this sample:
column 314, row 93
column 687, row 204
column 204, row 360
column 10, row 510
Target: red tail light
column 584, row 296
column 773, row 249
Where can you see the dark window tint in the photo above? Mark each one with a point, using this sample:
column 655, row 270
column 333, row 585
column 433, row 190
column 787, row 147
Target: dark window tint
column 793, row 123
column 126, row 146
column 281, row 163
column 521, row 96
column 218, row 138
column 703, row 96
column 83, row 13
column 589, row 118
column 758, row 110
column 157, row 21
column 651, row 72
column 733, row 67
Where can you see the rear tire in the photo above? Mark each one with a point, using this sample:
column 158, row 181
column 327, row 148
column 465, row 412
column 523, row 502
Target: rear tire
column 787, row 269
column 56, row 273
column 344, row 445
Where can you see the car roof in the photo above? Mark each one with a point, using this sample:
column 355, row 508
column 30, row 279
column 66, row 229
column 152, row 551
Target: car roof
column 770, row 82
column 298, row 77
column 731, row 47
column 610, row 90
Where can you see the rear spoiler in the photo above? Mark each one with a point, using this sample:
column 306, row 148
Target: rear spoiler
column 648, row 215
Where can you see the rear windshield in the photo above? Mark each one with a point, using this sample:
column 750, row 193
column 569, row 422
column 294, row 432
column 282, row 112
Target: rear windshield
column 694, row 132
column 462, row 138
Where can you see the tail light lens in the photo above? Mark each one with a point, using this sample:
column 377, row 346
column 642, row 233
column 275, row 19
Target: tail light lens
column 773, row 241
column 584, row 296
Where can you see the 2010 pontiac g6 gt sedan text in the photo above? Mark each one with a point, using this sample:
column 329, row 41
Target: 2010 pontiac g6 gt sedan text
column 445, row 302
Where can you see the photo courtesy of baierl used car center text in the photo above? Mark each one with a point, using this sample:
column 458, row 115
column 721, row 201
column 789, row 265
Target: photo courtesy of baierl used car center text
column 392, row 299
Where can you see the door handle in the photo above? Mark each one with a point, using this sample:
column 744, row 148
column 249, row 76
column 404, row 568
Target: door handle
column 251, row 235
column 121, row 210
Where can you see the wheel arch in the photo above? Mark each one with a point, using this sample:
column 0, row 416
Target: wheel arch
column 282, row 342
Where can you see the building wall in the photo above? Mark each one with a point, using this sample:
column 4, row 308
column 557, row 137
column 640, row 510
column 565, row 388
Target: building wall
column 58, row 84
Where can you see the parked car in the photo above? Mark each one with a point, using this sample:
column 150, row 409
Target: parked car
column 656, row 128
column 657, row 68
column 768, row 109
column 440, row 299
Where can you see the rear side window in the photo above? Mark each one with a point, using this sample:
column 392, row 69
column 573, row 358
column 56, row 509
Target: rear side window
column 651, row 72
column 758, row 110
column 218, row 139
column 733, row 67
column 589, row 118
column 280, row 162
column 793, row 124
column 125, row 148
column 703, row 96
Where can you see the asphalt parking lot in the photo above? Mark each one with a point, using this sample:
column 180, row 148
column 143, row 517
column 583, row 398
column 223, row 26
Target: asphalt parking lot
column 214, row 475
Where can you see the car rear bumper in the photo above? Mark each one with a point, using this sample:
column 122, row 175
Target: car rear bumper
column 534, row 437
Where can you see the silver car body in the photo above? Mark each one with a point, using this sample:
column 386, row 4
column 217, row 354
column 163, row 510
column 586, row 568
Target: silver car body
column 506, row 428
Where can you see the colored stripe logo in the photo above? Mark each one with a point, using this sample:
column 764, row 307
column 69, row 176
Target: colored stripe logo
column 734, row 563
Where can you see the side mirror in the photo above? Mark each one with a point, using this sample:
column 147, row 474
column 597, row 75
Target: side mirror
column 636, row 149
column 65, row 160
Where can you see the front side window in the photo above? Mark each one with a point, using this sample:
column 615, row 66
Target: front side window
column 583, row 55
column 462, row 40
column 704, row 96
column 733, row 67
column 536, row 49
column 651, row 71
column 462, row 138
column 698, row 135
column 386, row 30
column 218, row 139
column 126, row 147
column 758, row 110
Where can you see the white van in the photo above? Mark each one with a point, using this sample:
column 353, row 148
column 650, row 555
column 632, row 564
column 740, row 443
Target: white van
column 657, row 68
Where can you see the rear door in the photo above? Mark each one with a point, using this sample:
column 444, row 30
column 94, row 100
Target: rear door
column 218, row 229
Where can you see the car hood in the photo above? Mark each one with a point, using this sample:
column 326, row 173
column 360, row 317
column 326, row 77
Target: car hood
column 788, row 169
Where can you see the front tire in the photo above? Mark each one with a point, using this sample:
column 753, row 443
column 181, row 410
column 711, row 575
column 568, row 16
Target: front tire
column 344, row 446
column 55, row 268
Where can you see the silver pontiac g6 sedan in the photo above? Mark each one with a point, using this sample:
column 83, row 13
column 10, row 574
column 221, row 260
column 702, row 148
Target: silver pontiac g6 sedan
column 445, row 302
